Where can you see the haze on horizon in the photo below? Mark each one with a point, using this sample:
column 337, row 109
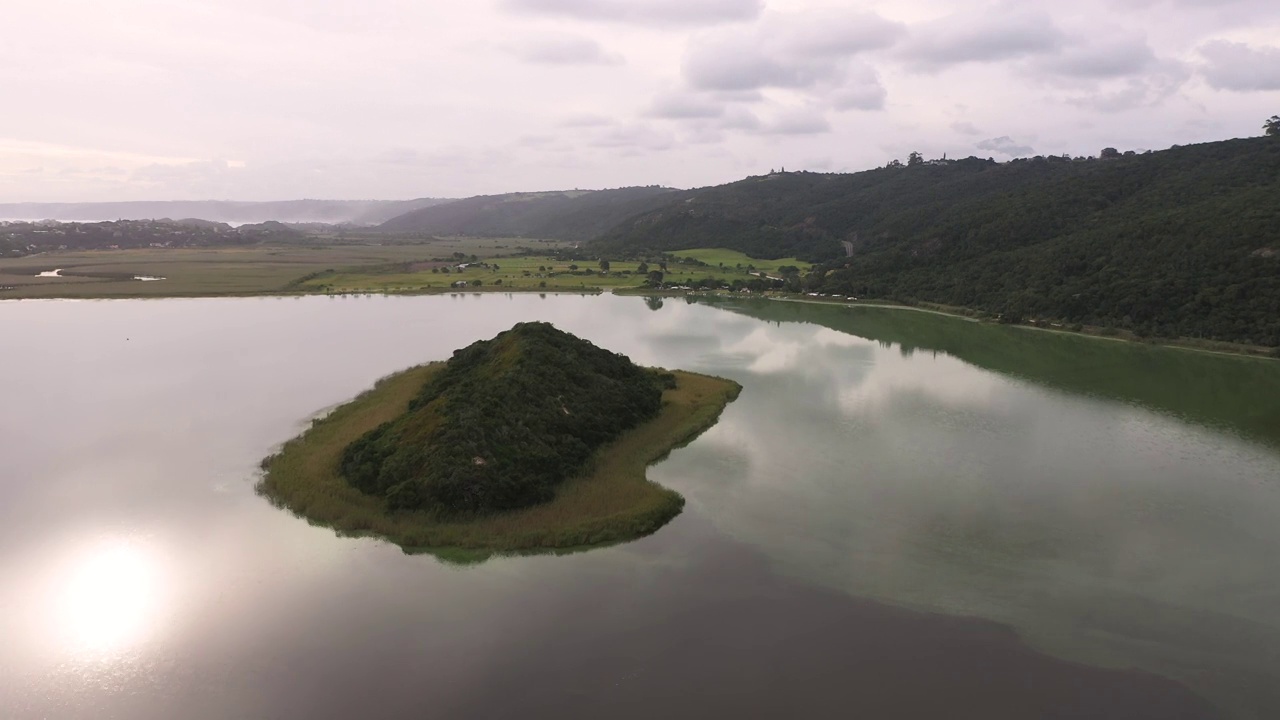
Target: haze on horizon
column 389, row 99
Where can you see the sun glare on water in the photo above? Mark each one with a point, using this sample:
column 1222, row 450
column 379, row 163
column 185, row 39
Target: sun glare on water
column 110, row 597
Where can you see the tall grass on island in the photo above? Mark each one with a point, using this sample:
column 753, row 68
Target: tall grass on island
column 610, row 502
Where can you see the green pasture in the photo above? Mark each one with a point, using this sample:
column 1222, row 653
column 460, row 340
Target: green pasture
column 327, row 266
column 515, row 273
column 717, row 257
column 249, row 270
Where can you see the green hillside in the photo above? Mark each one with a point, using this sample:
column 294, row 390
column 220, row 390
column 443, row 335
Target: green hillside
column 503, row 424
column 576, row 215
column 1179, row 243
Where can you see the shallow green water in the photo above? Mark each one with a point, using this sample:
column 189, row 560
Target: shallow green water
column 1112, row 504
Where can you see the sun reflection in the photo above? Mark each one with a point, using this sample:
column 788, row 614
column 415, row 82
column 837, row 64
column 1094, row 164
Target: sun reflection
column 110, row 597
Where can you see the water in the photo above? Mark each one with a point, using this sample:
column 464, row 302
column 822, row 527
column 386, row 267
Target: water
column 902, row 514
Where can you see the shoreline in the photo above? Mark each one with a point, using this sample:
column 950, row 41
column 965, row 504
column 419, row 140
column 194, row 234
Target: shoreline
column 1215, row 347
column 1257, row 352
column 610, row 502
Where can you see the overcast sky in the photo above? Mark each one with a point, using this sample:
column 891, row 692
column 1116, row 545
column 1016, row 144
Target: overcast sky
column 282, row 99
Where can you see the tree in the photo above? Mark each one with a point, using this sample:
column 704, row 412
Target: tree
column 573, row 267
column 604, row 265
column 642, row 268
column 1109, row 153
column 914, row 159
column 1272, row 126
column 655, row 277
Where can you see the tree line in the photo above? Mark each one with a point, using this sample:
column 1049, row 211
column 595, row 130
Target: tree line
column 1178, row 243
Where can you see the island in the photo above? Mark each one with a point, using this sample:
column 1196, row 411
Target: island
column 533, row 441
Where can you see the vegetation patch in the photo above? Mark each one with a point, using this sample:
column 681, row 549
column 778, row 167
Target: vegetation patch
column 437, row 497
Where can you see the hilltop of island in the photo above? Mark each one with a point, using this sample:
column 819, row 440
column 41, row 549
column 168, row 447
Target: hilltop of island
column 533, row 440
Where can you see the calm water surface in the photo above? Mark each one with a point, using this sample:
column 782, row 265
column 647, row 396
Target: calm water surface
column 903, row 515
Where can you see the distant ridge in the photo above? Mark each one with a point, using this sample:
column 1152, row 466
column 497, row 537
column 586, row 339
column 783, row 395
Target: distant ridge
column 356, row 212
column 572, row 215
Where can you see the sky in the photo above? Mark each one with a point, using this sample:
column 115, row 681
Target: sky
column 396, row 99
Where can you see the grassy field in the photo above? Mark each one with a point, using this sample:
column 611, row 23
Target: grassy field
column 612, row 502
column 548, row 273
column 512, row 273
column 217, row 271
column 337, row 267
column 719, row 257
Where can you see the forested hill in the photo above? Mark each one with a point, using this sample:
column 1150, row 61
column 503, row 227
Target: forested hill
column 503, row 423
column 1179, row 243
column 575, row 215
column 24, row 238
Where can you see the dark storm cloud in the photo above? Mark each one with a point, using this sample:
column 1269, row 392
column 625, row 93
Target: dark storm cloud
column 1003, row 33
column 565, row 50
column 1005, row 145
column 647, row 12
column 1236, row 66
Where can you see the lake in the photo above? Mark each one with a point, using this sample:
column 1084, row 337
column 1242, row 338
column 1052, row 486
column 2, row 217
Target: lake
column 903, row 515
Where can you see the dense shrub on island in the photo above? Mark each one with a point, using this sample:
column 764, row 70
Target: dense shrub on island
column 504, row 423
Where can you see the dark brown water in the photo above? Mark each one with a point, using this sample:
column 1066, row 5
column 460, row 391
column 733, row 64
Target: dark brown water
column 869, row 531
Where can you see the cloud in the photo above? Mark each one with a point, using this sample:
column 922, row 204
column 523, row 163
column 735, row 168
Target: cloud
column 861, row 91
column 1005, row 145
column 643, row 12
column 1149, row 88
column 684, row 106
column 565, row 50
column 737, row 96
column 1005, row 32
column 740, row 119
column 861, row 97
column 738, row 64
column 581, row 120
column 1100, row 58
column 786, row 50
column 965, row 128
column 1240, row 67
column 832, row 33
column 813, row 55
column 633, row 137
column 796, row 122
